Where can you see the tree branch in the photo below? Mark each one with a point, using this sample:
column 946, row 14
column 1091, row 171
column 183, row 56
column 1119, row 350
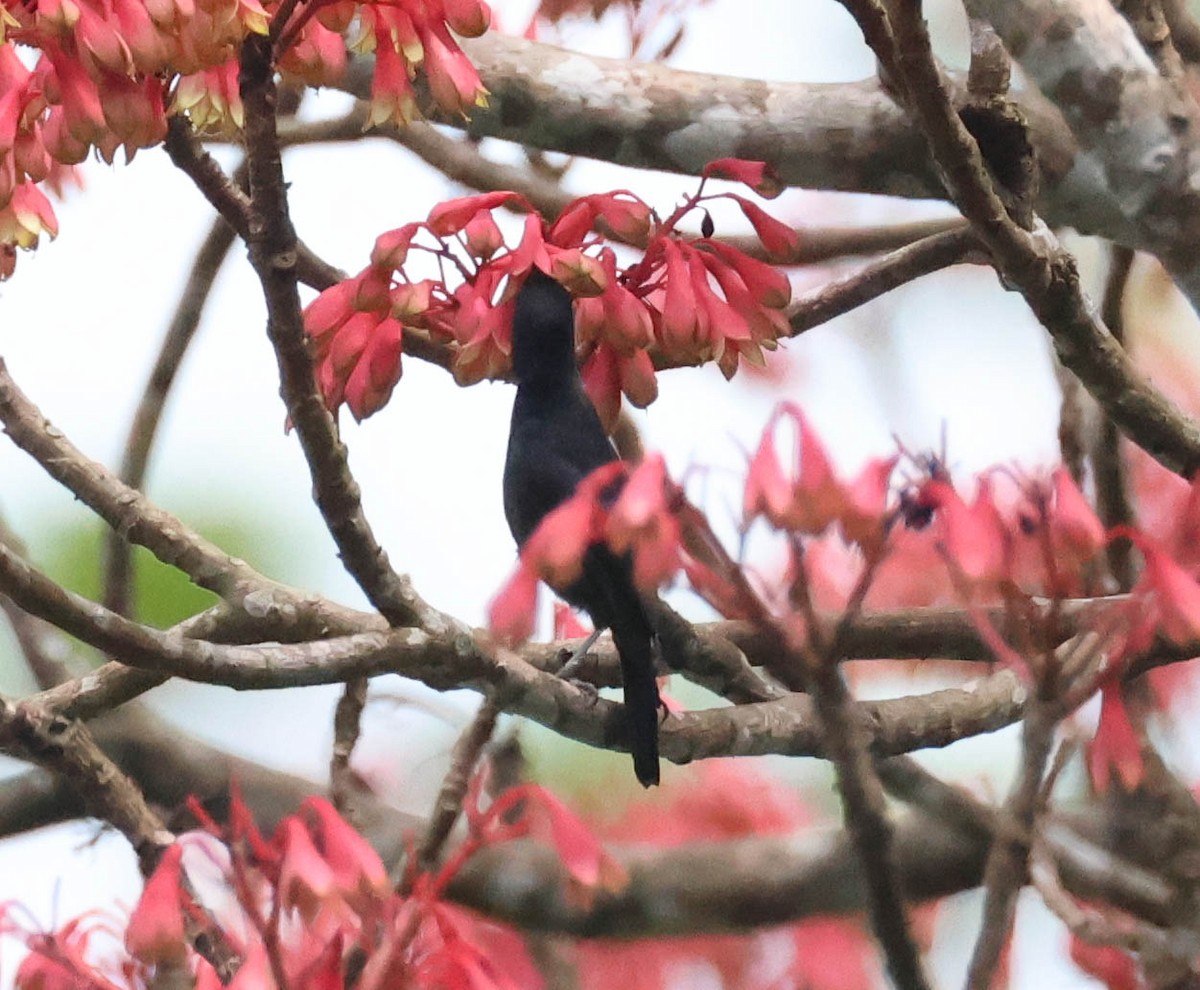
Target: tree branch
column 847, row 136
column 1136, row 179
column 118, row 589
column 460, row 160
column 454, row 661
column 67, row 748
column 273, row 253
column 1037, row 265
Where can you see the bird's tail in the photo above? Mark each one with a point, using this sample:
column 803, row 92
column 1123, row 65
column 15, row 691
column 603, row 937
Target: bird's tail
column 635, row 644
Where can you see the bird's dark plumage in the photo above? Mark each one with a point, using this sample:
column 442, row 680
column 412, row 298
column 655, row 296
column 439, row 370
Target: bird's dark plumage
column 555, row 441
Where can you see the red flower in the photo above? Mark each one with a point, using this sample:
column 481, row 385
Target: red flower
column 1112, row 967
column 759, row 176
column 318, row 56
column 975, row 537
column 777, row 237
column 26, row 217
column 695, row 300
column 41, row 972
column 255, row 971
column 815, row 498
column 511, row 612
column 633, row 511
column 1175, row 593
column 1115, row 749
column 358, row 873
column 305, row 879
column 453, row 215
column 1076, row 530
column 607, row 375
column 156, row 931
column 537, row 811
column 643, row 521
column 392, row 96
column 567, row 624
column 453, row 81
column 555, row 549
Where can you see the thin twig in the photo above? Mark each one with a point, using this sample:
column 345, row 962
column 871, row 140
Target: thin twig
column 66, row 747
column 1007, row 862
column 118, row 590
column 38, row 641
column 449, row 803
column 347, row 725
column 1114, row 503
column 1072, row 422
column 898, row 268
column 1176, row 947
column 863, row 802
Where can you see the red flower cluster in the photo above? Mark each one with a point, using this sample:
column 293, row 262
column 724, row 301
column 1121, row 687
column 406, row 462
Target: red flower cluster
column 312, row 895
column 633, row 510
column 1041, row 544
column 811, row 498
column 107, row 72
column 1044, row 543
column 691, row 300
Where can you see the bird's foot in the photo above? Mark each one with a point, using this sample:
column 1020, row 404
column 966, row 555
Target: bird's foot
column 570, row 670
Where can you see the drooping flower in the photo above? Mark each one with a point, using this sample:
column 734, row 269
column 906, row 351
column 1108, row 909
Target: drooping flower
column 811, row 498
column 156, row 930
column 26, row 217
column 1115, row 750
column 759, row 176
column 358, row 873
column 975, row 537
column 305, row 880
column 632, row 511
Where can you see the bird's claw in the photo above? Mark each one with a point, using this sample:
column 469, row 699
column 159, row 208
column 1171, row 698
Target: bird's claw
column 572, row 669
column 587, row 687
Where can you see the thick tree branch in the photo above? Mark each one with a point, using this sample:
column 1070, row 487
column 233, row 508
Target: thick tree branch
column 273, row 253
column 1036, row 264
column 461, row 161
column 848, row 137
column 1136, row 180
column 456, row 660
column 741, row 884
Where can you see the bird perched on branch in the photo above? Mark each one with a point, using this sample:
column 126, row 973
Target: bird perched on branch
column 555, row 441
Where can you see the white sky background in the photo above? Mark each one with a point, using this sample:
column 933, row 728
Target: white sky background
column 81, row 321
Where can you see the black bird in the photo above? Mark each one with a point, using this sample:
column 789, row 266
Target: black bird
column 554, row 442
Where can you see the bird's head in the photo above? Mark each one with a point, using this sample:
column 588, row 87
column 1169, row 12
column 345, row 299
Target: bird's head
column 543, row 330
